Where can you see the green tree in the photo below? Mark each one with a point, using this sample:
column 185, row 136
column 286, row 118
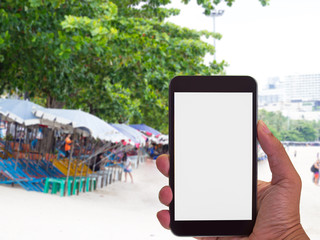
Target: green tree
column 292, row 135
column 209, row 5
column 290, row 130
column 112, row 58
column 275, row 120
column 306, row 130
column 38, row 55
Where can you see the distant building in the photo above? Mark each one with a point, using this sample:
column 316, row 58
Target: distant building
column 273, row 93
column 296, row 96
column 293, row 88
column 305, row 88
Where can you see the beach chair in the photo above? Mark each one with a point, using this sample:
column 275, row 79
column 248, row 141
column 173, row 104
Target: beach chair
column 62, row 166
column 40, row 168
column 58, row 185
column 107, row 176
column 14, row 174
column 50, row 169
column 98, row 178
column 116, row 170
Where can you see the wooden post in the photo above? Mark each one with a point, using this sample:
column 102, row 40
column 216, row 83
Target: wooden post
column 54, row 147
column 88, row 161
column 19, row 145
column 27, row 153
column 79, row 157
column 6, row 148
column 40, row 147
column 69, row 165
column 14, row 146
column 76, row 169
column 49, row 146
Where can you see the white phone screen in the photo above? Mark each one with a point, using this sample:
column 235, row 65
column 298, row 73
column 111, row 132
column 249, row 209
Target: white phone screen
column 213, row 156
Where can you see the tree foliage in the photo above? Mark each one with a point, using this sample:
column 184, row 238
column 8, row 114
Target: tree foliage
column 209, row 5
column 112, row 58
column 291, row 130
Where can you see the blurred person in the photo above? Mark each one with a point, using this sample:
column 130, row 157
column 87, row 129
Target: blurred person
column 315, row 169
column 98, row 164
column 278, row 201
column 132, row 152
column 127, row 167
column 165, row 149
column 67, row 145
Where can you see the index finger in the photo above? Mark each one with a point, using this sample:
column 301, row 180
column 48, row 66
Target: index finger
column 163, row 164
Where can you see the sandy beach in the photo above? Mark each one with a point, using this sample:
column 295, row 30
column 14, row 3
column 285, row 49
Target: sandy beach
column 310, row 194
column 124, row 210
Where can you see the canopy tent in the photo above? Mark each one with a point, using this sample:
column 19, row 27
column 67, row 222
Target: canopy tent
column 95, row 126
column 163, row 139
column 159, row 139
column 131, row 133
column 32, row 151
column 19, row 111
column 145, row 128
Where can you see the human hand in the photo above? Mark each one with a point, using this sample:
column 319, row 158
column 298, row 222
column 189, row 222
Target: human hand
column 278, row 201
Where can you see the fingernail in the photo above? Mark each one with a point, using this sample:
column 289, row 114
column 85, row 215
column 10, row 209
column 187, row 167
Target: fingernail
column 264, row 127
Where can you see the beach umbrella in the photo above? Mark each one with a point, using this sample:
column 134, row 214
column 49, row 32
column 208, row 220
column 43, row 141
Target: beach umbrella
column 133, row 134
column 163, row 139
column 146, row 129
column 155, row 139
column 152, row 134
column 94, row 126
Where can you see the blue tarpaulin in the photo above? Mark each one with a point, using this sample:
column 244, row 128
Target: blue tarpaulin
column 130, row 132
column 143, row 127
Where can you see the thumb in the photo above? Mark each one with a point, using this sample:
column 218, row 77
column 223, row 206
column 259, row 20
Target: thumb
column 279, row 162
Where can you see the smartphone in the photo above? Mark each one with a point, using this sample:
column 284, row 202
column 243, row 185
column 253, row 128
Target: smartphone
column 213, row 155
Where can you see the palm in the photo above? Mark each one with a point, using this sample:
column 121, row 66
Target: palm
column 276, row 205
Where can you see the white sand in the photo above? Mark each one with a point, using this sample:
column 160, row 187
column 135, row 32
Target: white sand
column 310, row 194
column 123, row 210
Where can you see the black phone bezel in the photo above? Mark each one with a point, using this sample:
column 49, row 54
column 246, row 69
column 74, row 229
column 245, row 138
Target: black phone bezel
column 213, row 84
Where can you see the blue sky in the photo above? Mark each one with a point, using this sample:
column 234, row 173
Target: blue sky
column 280, row 39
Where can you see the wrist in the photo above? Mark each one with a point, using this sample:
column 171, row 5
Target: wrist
column 296, row 233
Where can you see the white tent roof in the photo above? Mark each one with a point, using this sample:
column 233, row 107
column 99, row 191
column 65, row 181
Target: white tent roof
column 19, row 111
column 95, row 126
